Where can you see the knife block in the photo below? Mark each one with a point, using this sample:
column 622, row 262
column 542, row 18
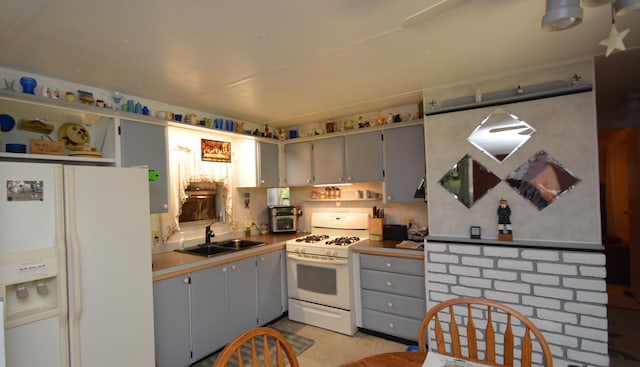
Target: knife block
column 376, row 229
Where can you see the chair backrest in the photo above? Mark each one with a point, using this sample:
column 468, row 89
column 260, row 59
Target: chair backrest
column 258, row 349
column 482, row 310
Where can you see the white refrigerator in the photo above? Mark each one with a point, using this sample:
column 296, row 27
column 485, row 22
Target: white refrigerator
column 75, row 266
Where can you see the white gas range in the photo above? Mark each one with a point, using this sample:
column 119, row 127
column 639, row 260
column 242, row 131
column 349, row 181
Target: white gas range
column 319, row 283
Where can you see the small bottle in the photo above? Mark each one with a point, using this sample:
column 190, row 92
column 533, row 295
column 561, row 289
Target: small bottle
column 182, row 245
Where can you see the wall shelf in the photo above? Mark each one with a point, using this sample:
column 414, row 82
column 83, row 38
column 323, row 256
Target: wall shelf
column 531, row 92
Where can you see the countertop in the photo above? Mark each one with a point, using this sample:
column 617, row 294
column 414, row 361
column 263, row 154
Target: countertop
column 172, row 263
column 386, row 247
column 169, row 264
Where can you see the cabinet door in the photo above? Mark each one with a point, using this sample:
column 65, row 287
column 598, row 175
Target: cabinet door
column 208, row 311
column 171, row 319
column 269, row 286
column 328, row 161
column 145, row 144
column 298, row 163
column 268, row 175
column 404, row 163
column 242, row 296
column 363, row 157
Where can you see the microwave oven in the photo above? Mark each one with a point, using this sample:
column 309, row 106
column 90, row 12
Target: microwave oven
column 283, row 219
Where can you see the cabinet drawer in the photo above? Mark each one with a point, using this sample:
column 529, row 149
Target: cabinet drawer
column 399, row 326
column 408, row 285
column 410, row 307
column 392, row 264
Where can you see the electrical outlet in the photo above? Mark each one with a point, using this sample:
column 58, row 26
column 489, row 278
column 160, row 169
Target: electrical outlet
column 155, row 235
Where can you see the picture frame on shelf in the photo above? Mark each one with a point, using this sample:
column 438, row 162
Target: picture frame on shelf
column 215, row 151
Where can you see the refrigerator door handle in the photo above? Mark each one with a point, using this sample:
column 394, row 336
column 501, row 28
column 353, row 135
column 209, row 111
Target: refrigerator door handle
column 73, row 244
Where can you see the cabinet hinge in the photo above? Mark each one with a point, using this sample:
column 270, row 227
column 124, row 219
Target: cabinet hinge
column 382, row 137
column 383, row 174
column 119, row 130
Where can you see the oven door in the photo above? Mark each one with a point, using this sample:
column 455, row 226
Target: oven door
column 319, row 279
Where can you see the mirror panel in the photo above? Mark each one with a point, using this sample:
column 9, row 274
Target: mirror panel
column 500, row 134
column 542, row 180
column 468, row 181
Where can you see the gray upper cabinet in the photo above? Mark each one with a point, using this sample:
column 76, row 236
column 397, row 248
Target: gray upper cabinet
column 328, row 161
column 145, row 144
column 171, row 321
column 363, row 157
column 269, row 286
column 208, row 311
column 298, row 164
column 404, row 163
column 268, row 175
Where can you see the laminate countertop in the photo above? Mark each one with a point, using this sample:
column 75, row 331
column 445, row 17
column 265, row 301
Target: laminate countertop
column 171, row 263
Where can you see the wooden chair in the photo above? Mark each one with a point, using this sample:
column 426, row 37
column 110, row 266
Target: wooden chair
column 269, row 337
column 465, row 319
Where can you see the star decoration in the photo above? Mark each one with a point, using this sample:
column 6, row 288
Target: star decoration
column 614, row 41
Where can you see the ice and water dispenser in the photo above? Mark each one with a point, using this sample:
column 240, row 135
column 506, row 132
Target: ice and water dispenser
column 31, row 286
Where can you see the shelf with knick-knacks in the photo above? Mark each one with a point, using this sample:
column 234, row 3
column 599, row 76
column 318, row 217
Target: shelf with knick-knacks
column 39, row 129
column 336, row 195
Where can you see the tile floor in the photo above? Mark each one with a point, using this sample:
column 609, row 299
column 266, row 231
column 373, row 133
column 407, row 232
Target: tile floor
column 333, row 349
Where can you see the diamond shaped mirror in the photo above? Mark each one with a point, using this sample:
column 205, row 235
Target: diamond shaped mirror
column 500, row 134
column 468, row 181
column 542, row 180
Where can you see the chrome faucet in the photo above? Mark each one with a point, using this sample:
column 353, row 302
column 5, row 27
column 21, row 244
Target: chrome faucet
column 208, row 233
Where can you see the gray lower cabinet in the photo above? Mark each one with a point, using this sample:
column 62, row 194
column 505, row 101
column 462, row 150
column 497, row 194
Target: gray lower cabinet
column 145, row 144
column 208, row 311
column 241, row 296
column 393, row 293
column 171, row 317
column 404, row 163
column 269, row 286
column 198, row 313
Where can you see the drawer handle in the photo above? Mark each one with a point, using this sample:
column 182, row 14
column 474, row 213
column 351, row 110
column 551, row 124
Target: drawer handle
column 390, row 305
column 388, row 265
column 391, row 325
column 388, row 284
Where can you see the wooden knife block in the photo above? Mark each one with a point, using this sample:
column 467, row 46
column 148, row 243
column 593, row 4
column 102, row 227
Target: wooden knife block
column 376, row 226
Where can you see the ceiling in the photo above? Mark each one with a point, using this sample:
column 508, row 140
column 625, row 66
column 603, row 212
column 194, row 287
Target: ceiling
column 288, row 62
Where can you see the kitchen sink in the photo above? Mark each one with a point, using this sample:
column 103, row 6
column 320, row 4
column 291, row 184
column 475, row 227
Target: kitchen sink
column 238, row 244
column 219, row 247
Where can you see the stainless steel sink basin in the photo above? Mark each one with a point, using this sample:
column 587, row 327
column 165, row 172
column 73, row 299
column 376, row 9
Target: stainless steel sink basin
column 219, row 247
column 238, row 244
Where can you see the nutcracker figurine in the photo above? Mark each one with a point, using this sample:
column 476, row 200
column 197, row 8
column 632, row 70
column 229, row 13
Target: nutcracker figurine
column 504, row 221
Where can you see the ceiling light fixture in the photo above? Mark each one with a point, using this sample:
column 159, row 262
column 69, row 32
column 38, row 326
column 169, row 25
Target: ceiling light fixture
column 561, row 14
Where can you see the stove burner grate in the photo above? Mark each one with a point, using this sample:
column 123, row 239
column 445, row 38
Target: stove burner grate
column 312, row 238
column 343, row 241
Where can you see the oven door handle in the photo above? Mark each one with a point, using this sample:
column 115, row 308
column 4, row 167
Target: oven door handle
column 319, row 259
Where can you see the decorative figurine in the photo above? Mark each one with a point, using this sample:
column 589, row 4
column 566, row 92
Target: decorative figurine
column 504, row 221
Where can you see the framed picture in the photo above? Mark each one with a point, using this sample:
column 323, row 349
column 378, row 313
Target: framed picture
column 474, row 232
column 215, row 151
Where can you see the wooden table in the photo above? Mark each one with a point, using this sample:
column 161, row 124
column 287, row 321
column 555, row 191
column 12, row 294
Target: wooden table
column 393, row 359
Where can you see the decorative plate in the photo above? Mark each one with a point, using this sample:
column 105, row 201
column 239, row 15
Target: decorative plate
column 73, row 135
